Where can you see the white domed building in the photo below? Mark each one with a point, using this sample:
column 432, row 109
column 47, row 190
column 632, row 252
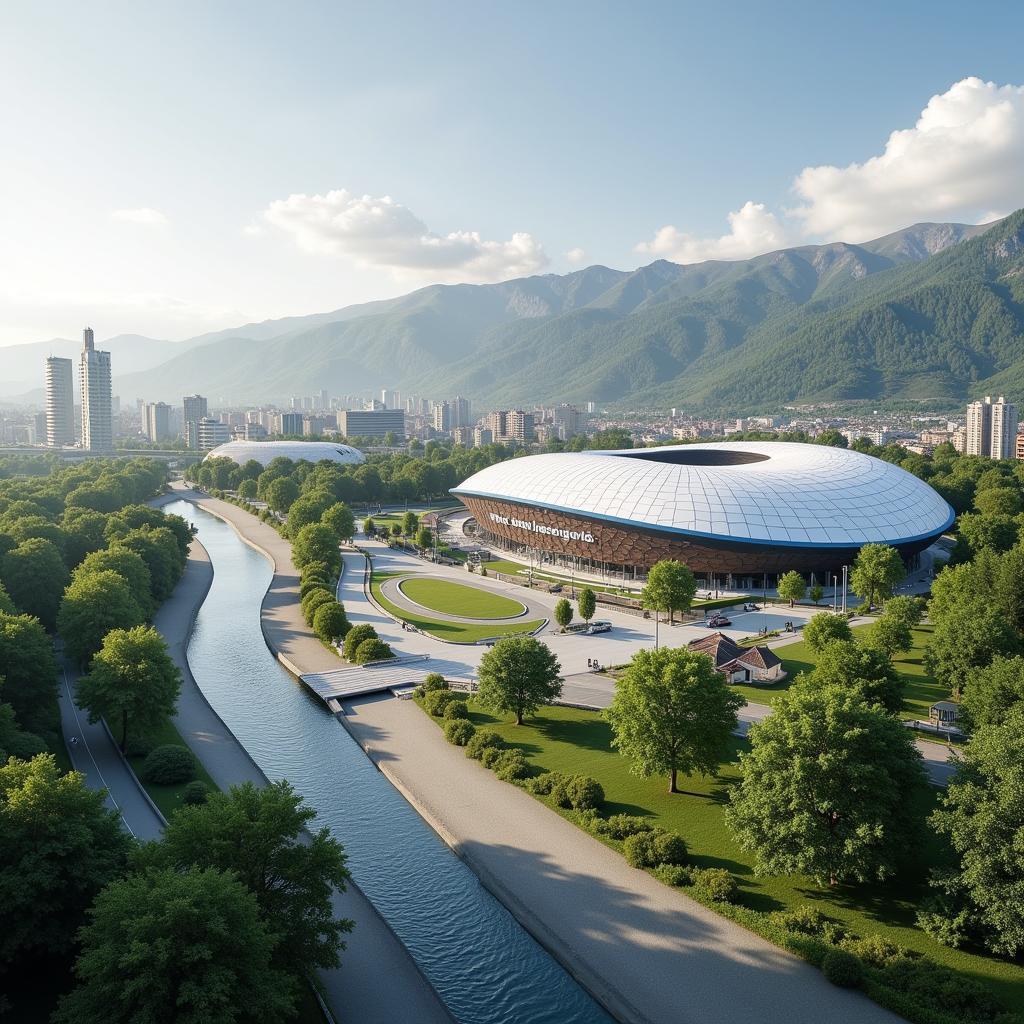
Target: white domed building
column 264, row 452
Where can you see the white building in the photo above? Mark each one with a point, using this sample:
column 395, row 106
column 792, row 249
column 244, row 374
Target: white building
column 1004, row 429
column 211, row 432
column 60, row 402
column 991, row 429
column 97, row 407
column 156, row 420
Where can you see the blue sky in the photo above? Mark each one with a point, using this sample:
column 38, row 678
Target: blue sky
column 175, row 168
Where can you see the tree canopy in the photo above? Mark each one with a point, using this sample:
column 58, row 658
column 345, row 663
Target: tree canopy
column 518, row 675
column 93, row 605
column 587, row 604
column 670, row 588
column 791, row 587
column 825, row 627
column 876, row 571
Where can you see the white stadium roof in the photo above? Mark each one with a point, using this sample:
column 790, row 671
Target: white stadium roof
column 265, row 451
column 780, row 493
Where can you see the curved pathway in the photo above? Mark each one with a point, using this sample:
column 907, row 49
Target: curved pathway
column 391, row 588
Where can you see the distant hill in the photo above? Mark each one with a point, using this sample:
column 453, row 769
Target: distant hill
column 932, row 311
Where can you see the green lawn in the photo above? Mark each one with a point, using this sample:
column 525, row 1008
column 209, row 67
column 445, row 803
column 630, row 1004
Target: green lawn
column 921, row 689
column 570, row 740
column 510, row 568
column 456, row 632
column 167, row 798
column 459, row 599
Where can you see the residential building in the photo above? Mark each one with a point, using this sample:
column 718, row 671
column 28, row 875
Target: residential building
column 156, row 420
column 739, row 664
column 211, row 432
column 460, row 412
column 991, row 429
column 97, row 407
column 195, row 409
column 520, row 425
column 60, row 402
column 371, row 423
column 442, row 417
column 482, row 436
column 1019, row 447
column 1004, row 429
column 463, row 436
column 291, row 423
column 978, row 431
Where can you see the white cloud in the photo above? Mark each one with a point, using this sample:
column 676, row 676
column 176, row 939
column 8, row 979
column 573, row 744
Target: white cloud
column 753, row 229
column 576, row 256
column 144, row 216
column 382, row 233
column 963, row 159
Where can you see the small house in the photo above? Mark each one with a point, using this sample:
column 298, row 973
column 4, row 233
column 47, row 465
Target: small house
column 740, row 664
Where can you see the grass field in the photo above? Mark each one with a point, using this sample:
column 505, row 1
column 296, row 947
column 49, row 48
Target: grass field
column 571, row 741
column 920, row 691
column 459, row 599
column 456, row 632
column 168, row 798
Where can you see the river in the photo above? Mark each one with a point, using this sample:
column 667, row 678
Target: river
column 484, row 965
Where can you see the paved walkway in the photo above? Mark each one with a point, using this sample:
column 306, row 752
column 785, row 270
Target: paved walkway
column 378, row 983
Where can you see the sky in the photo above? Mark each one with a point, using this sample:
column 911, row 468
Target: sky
column 169, row 169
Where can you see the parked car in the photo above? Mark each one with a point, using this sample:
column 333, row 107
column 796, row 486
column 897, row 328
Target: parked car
column 718, row 620
column 599, row 627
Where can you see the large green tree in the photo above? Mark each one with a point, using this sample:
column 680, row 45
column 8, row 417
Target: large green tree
column 35, row 576
column 965, row 639
column 587, row 604
column 184, row 946
column 59, row 845
column 280, row 493
column 993, row 692
column 828, row 788
column 518, row 675
column 670, row 588
column 982, row 813
column 132, row 683
column 93, row 605
column 340, row 519
column 671, row 713
column 791, row 587
column 876, row 571
column 159, row 549
column 563, row 613
column 29, row 670
column 260, row 834
column 127, row 564
column 825, row 627
column 850, row 664
column 316, row 543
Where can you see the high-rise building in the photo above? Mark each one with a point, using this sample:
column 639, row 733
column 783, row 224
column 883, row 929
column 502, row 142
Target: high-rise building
column 390, row 399
column 372, row 423
column 156, row 420
column 195, row 410
column 291, row 423
column 211, row 433
column 442, row 417
column 460, row 412
column 520, row 425
column 97, row 407
column 482, row 436
column 978, row 432
column 60, row 402
column 1004, row 429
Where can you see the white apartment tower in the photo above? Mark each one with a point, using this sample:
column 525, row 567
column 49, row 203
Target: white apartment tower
column 97, row 408
column 60, row 402
column 978, row 432
column 991, row 429
column 1004, row 429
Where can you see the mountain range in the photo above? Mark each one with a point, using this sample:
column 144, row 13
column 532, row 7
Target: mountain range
column 932, row 312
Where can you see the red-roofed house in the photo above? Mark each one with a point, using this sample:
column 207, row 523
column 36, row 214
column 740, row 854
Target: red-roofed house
column 739, row 664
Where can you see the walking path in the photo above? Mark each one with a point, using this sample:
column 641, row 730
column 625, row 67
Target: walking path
column 378, row 982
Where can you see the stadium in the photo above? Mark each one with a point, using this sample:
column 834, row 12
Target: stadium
column 264, row 452
column 747, row 510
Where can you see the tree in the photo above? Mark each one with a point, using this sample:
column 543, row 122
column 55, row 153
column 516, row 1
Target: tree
column 791, row 587
column 158, row 548
column 518, row 675
column 997, row 532
column 35, row 576
column 308, row 508
column 891, row 635
column 29, row 670
column 59, row 845
column 93, row 605
column 355, row 636
column 816, row 593
column 424, row 537
column 330, row 623
column 260, row 834
column 410, row 523
column 876, row 571
column 906, row 609
column 316, row 543
column 672, row 712
column 826, row 788
column 587, row 604
column 132, row 682
column 563, row 613
column 965, row 640
column 993, row 692
column 197, row 949
column 340, row 519
column 982, row 813
column 670, row 588
column 247, row 489
column 825, row 627
column 280, row 494
column 845, row 663
column 611, row 439
column 127, row 564
column 369, row 526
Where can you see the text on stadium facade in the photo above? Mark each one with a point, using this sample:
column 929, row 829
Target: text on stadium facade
column 548, row 531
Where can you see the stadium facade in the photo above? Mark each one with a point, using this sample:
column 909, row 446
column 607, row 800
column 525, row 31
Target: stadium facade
column 748, row 510
column 264, row 452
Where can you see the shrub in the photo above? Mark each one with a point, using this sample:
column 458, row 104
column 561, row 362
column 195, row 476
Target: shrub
column 316, row 598
column 485, row 739
column 544, row 782
column 876, row 951
column 936, row 987
column 455, row 708
column 715, row 884
column 355, row 636
column 435, row 681
column 490, row 755
column 638, row 849
column 805, row 919
column 330, row 623
column 311, row 569
column 621, row 826
column 372, row 650
column 169, row 764
column 195, row 793
column 669, row 848
column 584, row 793
column 458, row 731
column 437, row 700
column 950, row 928
column 511, row 765
column 313, row 583
column 674, row 874
column 559, row 792
column 842, row 968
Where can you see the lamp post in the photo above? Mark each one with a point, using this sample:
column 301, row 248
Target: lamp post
column 845, row 570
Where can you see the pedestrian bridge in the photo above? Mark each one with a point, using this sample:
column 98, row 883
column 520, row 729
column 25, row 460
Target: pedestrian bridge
column 382, row 676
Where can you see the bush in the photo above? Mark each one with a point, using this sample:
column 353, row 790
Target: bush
column 372, row 650
column 437, row 700
column 316, row 598
column 490, row 755
column 621, row 826
column 936, row 987
column 544, row 782
column 559, row 792
column 584, row 793
column 455, row 708
column 485, row 739
column 434, row 681
column 458, row 731
column 169, row 764
column 195, row 793
column 947, row 928
column 330, row 623
column 355, row 636
column 842, row 969
column 313, row 583
column 876, row 951
column 638, row 849
column 715, row 885
column 511, row 765
column 674, row 874
column 669, row 848
column 805, row 919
